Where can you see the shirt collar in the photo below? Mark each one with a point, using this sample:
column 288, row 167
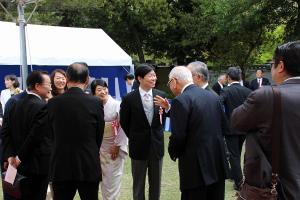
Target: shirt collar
column 29, row 92
column 143, row 92
column 233, row 83
column 296, row 77
column 204, row 86
column 221, row 85
column 185, row 87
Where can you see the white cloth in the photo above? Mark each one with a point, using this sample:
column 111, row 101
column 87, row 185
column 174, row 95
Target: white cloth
column 112, row 170
column 5, row 95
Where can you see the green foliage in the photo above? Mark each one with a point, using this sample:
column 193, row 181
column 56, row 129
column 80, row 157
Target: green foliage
column 220, row 32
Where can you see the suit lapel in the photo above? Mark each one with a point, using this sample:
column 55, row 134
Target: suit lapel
column 155, row 108
column 140, row 104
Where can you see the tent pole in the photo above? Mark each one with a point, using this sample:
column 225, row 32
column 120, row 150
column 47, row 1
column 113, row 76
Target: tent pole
column 23, row 53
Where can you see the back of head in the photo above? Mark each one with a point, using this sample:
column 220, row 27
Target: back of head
column 78, row 72
column 129, row 77
column 289, row 54
column 142, row 71
column 182, row 74
column 35, row 77
column 234, row 73
column 198, row 67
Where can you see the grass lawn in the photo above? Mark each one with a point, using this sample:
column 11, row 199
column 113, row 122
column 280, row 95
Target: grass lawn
column 169, row 185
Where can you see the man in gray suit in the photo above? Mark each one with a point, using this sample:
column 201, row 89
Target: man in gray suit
column 256, row 115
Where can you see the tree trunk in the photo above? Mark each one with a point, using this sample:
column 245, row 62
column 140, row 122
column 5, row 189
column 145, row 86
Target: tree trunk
column 138, row 44
column 297, row 25
column 136, row 38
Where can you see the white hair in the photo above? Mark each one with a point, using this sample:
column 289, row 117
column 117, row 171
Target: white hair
column 181, row 73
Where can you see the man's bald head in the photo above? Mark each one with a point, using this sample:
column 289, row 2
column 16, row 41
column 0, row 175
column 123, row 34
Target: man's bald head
column 78, row 72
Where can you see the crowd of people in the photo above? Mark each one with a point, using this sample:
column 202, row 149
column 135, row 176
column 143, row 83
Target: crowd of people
column 56, row 134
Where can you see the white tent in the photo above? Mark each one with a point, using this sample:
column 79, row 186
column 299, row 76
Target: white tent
column 61, row 46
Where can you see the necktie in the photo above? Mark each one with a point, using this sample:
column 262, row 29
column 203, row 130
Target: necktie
column 148, row 107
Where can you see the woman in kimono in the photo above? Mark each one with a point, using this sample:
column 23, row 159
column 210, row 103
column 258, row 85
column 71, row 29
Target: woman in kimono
column 114, row 144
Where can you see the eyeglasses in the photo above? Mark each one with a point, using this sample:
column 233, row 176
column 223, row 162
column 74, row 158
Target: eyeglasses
column 169, row 82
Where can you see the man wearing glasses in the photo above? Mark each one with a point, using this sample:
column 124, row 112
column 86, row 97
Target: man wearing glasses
column 198, row 125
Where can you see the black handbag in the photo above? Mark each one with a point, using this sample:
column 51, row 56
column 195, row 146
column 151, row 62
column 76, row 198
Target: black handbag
column 266, row 173
column 13, row 190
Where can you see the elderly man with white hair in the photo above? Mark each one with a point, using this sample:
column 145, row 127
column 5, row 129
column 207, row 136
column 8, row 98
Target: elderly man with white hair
column 220, row 84
column 197, row 124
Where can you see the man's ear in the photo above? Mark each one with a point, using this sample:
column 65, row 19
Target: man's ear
column 281, row 67
column 87, row 81
column 139, row 78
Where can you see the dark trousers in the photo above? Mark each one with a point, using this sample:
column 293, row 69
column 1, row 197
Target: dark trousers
column 34, row 187
column 66, row 190
column 234, row 145
column 214, row 191
column 139, row 171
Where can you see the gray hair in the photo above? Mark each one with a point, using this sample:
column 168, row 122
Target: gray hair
column 198, row 67
column 221, row 76
column 181, row 73
column 234, row 73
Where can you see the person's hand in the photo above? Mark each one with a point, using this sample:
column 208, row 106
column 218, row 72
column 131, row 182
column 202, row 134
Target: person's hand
column 114, row 151
column 14, row 161
column 162, row 102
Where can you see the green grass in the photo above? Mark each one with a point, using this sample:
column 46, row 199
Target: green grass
column 169, row 185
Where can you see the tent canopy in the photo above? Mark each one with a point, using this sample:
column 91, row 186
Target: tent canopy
column 50, row 47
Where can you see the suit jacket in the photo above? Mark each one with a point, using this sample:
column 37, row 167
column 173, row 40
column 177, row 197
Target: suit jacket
column 134, row 122
column 197, row 125
column 77, row 122
column 217, row 88
column 27, row 135
column 232, row 97
column 254, row 84
column 246, row 84
column 256, row 115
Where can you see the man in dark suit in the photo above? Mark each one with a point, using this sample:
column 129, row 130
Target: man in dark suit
column 26, row 137
column 259, row 81
column 143, row 124
column 5, row 126
column 77, row 121
column 232, row 96
column 218, row 86
column 256, row 114
column 198, row 125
